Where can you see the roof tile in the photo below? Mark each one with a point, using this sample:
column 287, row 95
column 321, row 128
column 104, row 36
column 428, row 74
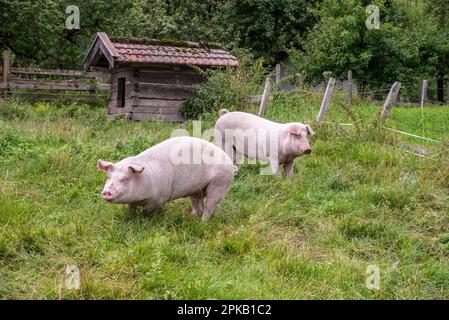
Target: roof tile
column 138, row 53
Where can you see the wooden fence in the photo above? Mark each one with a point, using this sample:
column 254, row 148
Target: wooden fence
column 46, row 84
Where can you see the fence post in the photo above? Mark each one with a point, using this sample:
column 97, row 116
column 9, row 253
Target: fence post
column 448, row 92
column 440, row 89
column 265, row 98
column 6, row 71
column 425, row 85
column 278, row 73
column 394, row 91
column 326, row 99
column 350, row 88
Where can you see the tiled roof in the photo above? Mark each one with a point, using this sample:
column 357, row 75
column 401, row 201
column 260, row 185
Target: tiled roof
column 156, row 54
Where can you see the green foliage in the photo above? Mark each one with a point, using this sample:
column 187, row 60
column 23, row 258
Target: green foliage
column 408, row 47
column 228, row 88
column 163, row 42
column 268, row 27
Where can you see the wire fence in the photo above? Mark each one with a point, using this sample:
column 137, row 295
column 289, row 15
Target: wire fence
column 420, row 132
column 411, row 90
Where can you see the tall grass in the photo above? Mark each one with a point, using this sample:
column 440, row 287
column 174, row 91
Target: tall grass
column 358, row 200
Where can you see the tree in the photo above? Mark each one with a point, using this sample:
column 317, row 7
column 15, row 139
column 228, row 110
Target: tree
column 268, row 27
column 36, row 32
column 404, row 48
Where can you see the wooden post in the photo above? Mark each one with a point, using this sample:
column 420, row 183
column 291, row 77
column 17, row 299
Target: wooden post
column 350, row 88
column 425, row 85
column 326, row 99
column 394, row 91
column 278, row 73
column 6, row 75
column 440, row 89
column 265, row 98
column 448, row 92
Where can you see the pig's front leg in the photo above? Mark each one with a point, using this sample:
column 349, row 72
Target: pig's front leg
column 288, row 169
column 197, row 204
column 238, row 159
column 132, row 208
column 149, row 207
column 274, row 166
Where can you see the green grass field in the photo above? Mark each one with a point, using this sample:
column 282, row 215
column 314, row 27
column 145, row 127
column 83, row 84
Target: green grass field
column 358, row 200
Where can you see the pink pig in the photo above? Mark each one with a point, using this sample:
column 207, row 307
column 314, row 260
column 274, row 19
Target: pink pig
column 159, row 175
column 240, row 133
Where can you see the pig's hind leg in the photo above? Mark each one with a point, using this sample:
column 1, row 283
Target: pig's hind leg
column 215, row 192
column 197, row 203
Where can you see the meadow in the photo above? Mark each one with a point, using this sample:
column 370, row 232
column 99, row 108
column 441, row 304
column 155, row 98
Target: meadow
column 359, row 199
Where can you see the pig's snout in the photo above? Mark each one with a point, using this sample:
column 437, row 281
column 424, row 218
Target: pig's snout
column 108, row 195
column 308, row 151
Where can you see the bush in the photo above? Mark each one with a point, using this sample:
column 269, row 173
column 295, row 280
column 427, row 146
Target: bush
column 226, row 88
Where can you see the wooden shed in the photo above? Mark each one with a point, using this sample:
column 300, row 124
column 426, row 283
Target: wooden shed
column 152, row 78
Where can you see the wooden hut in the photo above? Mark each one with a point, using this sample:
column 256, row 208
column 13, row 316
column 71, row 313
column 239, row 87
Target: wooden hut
column 152, row 78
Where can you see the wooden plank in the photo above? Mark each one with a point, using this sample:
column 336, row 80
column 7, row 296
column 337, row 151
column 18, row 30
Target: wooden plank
column 104, row 45
column 278, row 73
column 116, row 111
column 148, row 116
column 326, row 99
column 170, row 78
column 350, row 88
column 440, row 89
column 424, row 93
column 108, row 44
column 6, row 66
column 265, row 98
column 56, row 86
column 388, row 105
column 163, row 91
column 54, row 96
column 160, row 103
column 156, row 110
column 56, row 72
column 122, row 73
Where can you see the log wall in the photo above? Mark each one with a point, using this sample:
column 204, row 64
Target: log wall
column 153, row 92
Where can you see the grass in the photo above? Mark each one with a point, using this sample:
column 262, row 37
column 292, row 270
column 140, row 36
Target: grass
column 358, row 200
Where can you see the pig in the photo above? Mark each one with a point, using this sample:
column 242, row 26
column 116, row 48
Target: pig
column 240, row 133
column 159, row 175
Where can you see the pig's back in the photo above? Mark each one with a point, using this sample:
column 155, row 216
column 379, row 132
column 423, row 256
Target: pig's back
column 244, row 121
column 179, row 179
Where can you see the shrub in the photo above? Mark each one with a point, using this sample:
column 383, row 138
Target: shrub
column 226, row 88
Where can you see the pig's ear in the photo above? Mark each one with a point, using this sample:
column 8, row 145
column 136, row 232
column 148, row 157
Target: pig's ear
column 309, row 130
column 295, row 129
column 136, row 170
column 104, row 165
